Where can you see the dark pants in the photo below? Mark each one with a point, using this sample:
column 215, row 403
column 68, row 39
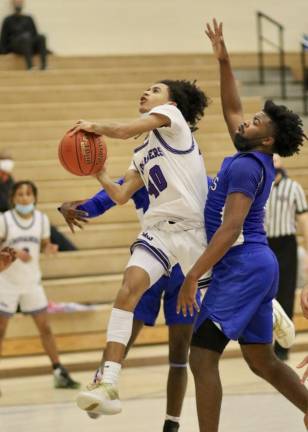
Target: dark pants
column 58, row 238
column 285, row 249
column 27, row 45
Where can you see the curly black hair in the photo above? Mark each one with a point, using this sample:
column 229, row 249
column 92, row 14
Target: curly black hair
column 189, row 99
column 20, row 183
column 288, row 129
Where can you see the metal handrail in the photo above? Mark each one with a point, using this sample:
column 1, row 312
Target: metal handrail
column 304, row 49
column 280, row 45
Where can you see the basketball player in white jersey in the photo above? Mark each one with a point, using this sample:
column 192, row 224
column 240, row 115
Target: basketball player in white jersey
column 27, row 231
column 170, row 165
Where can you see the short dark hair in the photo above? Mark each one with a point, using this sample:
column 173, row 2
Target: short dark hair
column 189, row 98
column 288, row 129
column 20, row 183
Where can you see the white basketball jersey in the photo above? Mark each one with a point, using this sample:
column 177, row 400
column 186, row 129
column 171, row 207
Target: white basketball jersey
column 172, row 168
column 24, row 234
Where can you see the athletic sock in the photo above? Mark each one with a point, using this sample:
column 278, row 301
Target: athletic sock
column 111, row 372
column 56, row 365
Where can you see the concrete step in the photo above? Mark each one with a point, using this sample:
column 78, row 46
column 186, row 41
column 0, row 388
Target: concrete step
column 98, row 236
column 94, row 110
column 86, row 289
column 243, row 59
column 84, row 92
column 85, row 263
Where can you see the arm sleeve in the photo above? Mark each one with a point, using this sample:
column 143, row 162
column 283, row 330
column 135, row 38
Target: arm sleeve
column 99, row 203
column 245, row 176
column 300, row 199
column 32, row 26
column 46, row 227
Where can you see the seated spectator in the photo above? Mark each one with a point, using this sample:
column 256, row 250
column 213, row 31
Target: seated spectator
column 19, row 35
column 6, row 184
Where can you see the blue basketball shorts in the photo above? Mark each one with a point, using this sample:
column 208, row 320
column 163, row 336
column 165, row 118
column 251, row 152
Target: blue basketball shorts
column 239, row 297
column 148, row 308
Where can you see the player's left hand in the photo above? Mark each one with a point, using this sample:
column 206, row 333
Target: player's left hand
column 187, row 297
column 84, row 125
column 304, row 301
column 302, row 364
column 51, row 249
column 7, row 256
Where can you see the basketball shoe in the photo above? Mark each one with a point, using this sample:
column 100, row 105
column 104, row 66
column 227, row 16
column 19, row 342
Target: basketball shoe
column 283, row 327
column 62, row 379
column 100, row 398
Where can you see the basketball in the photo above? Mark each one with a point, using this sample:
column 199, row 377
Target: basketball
column 82, row 153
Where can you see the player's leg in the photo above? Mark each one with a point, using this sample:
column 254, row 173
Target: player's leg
column 62, row 379
column 4, row 320
column 263, row 362
column 136, row 329
column 143, row 270
column 179, row 342
column 207, row 345
column 22, row 45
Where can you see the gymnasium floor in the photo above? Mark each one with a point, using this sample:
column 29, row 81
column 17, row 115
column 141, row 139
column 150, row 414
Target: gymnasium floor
column 250, row 405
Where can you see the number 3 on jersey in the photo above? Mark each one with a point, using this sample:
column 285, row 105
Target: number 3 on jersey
column 157, row 181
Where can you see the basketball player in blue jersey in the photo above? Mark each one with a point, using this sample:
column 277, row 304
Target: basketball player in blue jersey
column 147, row 309
column 238, row 303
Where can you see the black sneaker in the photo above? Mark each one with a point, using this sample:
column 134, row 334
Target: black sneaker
column 62, row 379
column 171, row 426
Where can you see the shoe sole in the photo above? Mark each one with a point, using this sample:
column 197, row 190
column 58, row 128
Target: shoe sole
column 94, row 404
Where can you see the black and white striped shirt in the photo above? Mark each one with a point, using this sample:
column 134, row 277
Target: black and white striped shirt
column 286, row 200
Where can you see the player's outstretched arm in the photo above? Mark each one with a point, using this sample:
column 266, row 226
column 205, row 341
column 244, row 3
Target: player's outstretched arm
column 120, row 193
column 123, row 130
column 236, row 209
column 231, row 102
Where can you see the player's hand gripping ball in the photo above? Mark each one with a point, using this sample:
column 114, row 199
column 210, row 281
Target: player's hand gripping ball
column 82, row 153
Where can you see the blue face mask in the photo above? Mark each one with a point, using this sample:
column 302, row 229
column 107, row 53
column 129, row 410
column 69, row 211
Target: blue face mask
column 24, row 209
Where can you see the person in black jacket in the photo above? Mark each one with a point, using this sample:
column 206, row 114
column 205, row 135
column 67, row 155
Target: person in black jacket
column 19, row 35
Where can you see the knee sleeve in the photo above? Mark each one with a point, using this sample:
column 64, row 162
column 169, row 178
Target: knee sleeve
column 208, row 336
column 120, row 326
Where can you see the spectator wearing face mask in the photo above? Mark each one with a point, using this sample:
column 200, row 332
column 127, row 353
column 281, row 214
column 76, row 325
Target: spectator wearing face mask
column 6, row 185
column 19, row 35
column 286, row 211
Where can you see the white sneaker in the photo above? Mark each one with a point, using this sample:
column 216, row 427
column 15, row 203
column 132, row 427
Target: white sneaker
column 283, row 327
column 100, row 398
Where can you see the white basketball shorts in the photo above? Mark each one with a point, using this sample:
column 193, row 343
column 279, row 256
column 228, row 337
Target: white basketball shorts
column 31, row 299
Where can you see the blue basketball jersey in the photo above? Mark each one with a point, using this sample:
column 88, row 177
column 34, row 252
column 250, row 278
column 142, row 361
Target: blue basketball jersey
column 252, row 174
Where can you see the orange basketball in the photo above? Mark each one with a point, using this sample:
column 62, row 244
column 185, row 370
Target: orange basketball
column 83, row 153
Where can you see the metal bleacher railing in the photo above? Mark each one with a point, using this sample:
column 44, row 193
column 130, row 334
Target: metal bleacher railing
column 261, row 17
column 304, row 55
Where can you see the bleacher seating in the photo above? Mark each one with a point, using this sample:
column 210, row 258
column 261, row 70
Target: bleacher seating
column 36, row 108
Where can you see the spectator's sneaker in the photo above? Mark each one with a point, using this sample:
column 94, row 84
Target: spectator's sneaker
column 171, row 426
column 62, row 379
column 283, row 327
column 100, row 398
column 93, row 415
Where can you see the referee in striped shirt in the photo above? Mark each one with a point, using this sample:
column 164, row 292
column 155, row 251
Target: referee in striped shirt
column 286, row 209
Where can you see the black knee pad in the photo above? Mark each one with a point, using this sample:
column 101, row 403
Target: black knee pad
column 208, row 336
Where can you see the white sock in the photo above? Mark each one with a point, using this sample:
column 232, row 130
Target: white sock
column 111, row 372
column 174, row 419
column 120, row 326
